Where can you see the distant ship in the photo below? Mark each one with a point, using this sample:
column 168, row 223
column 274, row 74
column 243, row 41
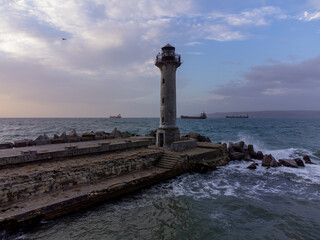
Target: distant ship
column 202, row 116
column 118, row 116
column 237, row 116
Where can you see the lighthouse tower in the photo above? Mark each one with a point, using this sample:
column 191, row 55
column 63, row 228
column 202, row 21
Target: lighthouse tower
column 168, row 62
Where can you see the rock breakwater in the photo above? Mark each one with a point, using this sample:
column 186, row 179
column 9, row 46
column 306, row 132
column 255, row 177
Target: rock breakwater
column 240, row 151
column 72, row 137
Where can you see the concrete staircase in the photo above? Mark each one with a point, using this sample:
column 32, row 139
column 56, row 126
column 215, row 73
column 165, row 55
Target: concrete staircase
column 168, row 161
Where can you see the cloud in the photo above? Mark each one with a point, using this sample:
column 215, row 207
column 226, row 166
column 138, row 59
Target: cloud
column 222, row 33
column 278, row 86
column 220, row 26
column 274, row 91
column 254, row 17
column 193, row 43
column 109, row 52
column 310, row 16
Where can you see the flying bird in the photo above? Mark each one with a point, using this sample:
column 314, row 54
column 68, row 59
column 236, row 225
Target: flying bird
column 64, row 39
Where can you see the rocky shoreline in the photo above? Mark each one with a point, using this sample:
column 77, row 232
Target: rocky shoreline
column 240, row 151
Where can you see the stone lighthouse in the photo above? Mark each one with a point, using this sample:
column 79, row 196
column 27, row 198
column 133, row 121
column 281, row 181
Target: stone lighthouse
column 168, row 62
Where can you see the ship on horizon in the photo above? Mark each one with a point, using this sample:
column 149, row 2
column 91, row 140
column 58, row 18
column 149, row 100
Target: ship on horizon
column 203, row 115
column 118, row 116
column 237, row 116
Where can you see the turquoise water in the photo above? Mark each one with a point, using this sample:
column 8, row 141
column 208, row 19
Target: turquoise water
column 231, row 203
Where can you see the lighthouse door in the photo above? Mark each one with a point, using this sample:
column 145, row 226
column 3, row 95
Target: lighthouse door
column 160, row 139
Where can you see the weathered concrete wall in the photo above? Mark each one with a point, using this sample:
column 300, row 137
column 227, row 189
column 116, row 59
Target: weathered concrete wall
column 55, row 151
column 217, row 157
column 180, row 146
column 45, row 190
column 29, row 185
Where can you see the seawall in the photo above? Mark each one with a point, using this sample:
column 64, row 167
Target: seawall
column 46, row 188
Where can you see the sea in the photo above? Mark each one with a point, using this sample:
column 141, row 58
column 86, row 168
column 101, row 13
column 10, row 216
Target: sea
column 232, row 202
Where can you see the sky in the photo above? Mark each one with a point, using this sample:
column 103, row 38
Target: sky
column 246, row 55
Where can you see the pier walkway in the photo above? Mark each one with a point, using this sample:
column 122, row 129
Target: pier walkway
column 63, row 178
column 61, row 150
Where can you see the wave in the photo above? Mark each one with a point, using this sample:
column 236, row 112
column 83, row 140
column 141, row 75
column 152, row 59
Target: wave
column 260, row 145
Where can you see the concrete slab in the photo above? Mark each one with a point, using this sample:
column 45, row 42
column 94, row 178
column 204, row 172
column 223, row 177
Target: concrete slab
column 52, row 151
column 47, row 189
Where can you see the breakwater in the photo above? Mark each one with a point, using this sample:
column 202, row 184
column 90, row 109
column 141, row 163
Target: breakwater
column 48, row 180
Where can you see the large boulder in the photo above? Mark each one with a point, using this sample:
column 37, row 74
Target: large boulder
column 269, row 161
column 230, row 148
column 299, row 162
column 101, row 135
column 238, row 147
column 152, row 133
column 59, row 139
column 125, row 134
column 42, row 140
column 288, row 163
column 73, row 136
column 64, row 136
column 55, row 136
column 87, row 136
column 203, row 167
column 236, row 156
column 247, row 157
column 259, row 155
column 252, row 166
column 194, row 135
column 24, row 143
column 307, row 160
column 251, row 151
column 115, row 133
column 203, row 139
column 199, row 137
column 42, row 137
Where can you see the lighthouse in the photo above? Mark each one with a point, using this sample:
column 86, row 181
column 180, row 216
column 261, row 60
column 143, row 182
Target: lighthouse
column 168, row 62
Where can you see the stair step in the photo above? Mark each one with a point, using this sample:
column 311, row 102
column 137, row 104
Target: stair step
column 167, row 165
column 168, row 161
column 171, row 159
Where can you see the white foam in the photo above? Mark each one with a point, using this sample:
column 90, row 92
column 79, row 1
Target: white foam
column 248, row 139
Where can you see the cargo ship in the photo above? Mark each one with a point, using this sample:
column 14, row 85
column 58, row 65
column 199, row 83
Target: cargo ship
column 202, row 116
column 118, row 116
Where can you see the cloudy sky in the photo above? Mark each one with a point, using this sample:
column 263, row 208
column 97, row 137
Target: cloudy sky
column 237, row 56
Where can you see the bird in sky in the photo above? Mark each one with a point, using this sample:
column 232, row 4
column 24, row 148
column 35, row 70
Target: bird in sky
column 64, row 39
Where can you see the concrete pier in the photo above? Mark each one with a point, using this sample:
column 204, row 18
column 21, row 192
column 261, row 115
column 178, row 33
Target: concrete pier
column 45, row 188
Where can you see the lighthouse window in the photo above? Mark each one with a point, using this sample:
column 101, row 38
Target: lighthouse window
column 162, row 120
column 162, row 101
column 163, row 81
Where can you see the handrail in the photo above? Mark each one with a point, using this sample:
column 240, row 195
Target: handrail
column 159, row 57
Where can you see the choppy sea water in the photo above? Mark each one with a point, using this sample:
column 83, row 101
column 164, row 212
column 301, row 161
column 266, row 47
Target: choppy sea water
column 231, row 203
